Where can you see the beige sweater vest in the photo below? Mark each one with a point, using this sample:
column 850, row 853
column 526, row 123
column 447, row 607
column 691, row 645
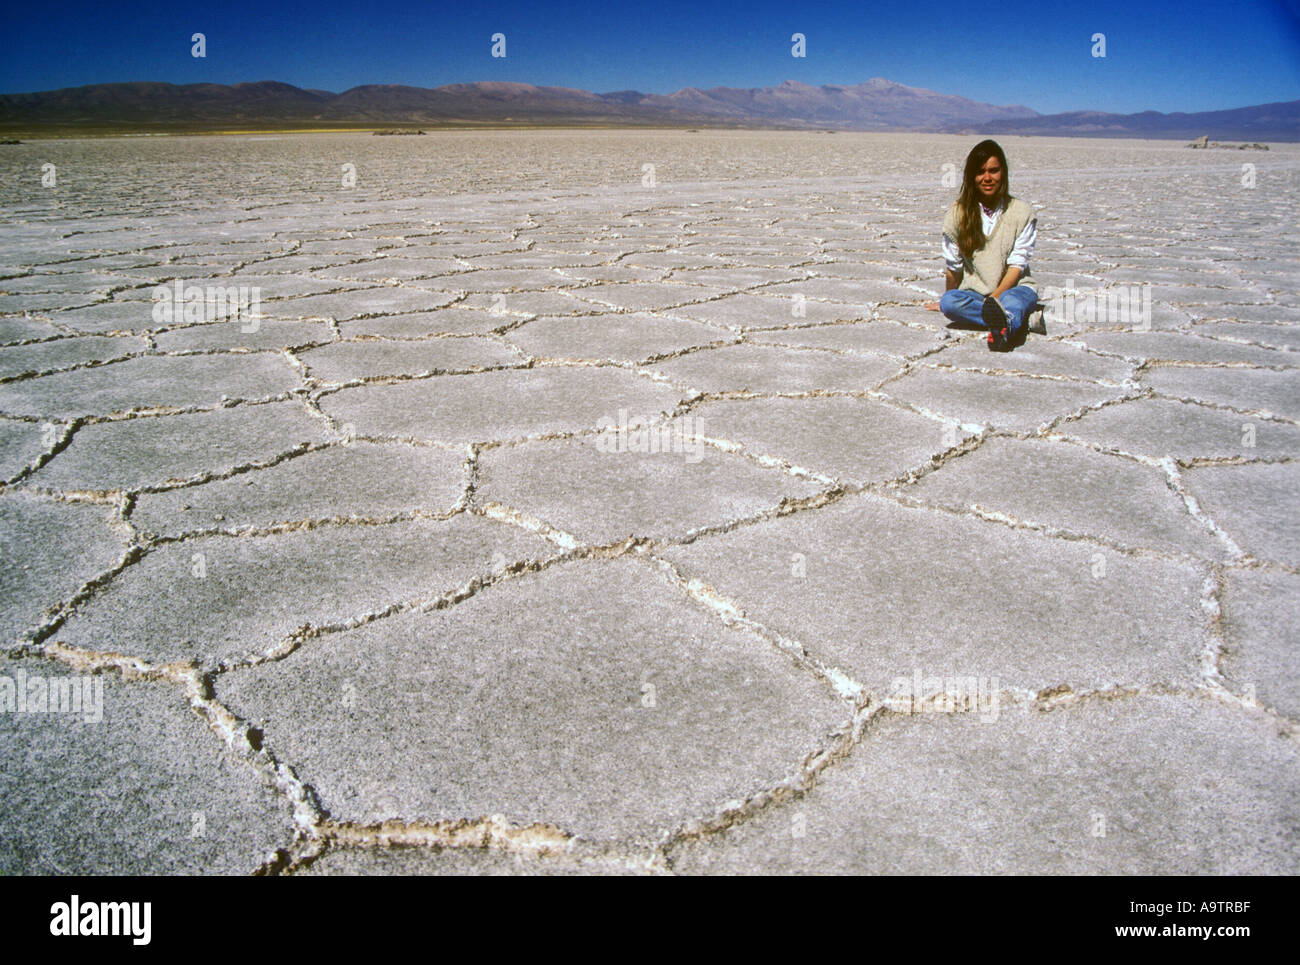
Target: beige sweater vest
column 983, row 272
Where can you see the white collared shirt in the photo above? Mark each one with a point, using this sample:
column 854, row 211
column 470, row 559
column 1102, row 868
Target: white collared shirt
column 1020, row 251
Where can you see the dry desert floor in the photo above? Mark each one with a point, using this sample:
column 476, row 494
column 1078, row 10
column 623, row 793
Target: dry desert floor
column 606, row 502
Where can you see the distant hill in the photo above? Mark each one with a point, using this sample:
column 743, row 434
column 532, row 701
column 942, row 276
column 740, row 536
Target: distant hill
column 1264, row 122
column 876, row 105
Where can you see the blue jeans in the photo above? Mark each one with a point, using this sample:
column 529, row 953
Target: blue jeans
column 964, row 305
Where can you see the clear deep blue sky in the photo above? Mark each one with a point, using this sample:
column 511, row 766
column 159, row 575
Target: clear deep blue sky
column 1168, row 56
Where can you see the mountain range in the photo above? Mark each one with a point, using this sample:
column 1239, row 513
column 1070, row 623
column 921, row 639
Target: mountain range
column 876, row 105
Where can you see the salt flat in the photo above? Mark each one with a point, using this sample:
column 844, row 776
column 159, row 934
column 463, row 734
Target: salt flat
column 606, row 502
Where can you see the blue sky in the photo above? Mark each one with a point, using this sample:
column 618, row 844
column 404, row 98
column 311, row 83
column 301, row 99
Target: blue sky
column 1167, row 56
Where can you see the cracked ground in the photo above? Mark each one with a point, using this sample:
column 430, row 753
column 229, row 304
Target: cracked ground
column 560, row 515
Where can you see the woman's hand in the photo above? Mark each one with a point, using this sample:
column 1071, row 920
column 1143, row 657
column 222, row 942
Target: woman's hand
column 931, row 306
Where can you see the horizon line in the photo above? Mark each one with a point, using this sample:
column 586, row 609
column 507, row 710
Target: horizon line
column 624, row 90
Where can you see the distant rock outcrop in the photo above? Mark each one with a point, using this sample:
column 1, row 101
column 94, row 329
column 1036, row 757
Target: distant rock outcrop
column 1204, row 142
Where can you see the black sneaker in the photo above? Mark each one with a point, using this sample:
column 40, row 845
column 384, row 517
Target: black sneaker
column 996, row 318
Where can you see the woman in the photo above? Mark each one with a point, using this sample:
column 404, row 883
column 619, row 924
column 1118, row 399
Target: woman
column 988, row 237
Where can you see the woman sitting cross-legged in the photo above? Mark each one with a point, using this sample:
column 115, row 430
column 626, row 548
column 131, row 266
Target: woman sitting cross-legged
column 988, row 237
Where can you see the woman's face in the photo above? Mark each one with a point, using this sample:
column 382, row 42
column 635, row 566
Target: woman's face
column 989, row 181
